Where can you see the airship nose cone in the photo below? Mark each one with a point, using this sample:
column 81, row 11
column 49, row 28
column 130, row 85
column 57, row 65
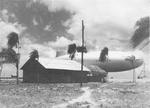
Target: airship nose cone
column 139, row 62
column 139, row 58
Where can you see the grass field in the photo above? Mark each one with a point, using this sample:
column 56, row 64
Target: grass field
column 34, row 96
column 91, row 95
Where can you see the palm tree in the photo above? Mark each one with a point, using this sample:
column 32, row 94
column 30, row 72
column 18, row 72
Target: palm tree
column 6, row 56
column 72, row 50
column 141, row 32
column 9, row 54
column 34, row 55
column 13, row 40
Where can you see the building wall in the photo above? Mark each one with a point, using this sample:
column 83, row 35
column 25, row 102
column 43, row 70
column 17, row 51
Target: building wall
column 54, row 76
column 66, row 76
column 30, row 76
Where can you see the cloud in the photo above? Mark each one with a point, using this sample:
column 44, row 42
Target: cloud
column 61, row 43
column 44, row 50
column 6, row 16
column 104, row 19
column 57, row 5
column 6, row 28
column 48, row 28
column 41, row 23
column 34, row 22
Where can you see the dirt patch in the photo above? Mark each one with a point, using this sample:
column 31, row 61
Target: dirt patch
column 82, row 101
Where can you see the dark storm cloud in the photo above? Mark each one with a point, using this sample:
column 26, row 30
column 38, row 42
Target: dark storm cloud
column 36, row 17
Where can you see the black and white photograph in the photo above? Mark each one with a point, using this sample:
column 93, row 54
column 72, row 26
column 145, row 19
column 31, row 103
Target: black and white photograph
column 74, row 53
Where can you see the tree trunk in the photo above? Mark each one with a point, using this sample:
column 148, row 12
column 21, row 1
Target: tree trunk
column 17, row 72
column 1, row 69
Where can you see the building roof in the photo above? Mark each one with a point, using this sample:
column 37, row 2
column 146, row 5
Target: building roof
column 62, row 64
column 55, row 64
column 31, row 62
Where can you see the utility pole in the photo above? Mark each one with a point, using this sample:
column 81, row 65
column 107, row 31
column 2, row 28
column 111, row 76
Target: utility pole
column 82, row 63
column 17, row 64
column 134, row 73
column 18, row 60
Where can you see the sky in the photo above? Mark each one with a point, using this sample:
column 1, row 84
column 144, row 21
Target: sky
column 50, row 25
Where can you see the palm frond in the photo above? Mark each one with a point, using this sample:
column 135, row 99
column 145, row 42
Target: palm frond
column 34, row 54
column 142, row 31
column 13, row 40
column 9, row 55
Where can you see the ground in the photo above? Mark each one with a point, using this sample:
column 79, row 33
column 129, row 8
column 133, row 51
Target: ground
column 123, row 95
column 91, row 95
column 27, row 95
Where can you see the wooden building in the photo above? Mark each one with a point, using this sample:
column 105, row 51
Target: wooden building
column 34, row 71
